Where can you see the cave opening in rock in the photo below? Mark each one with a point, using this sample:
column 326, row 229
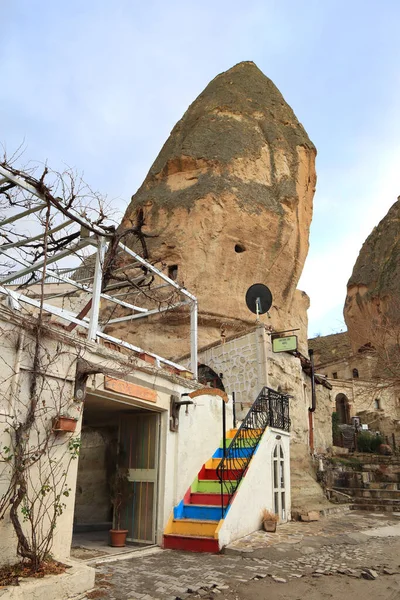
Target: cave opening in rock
column 173, row 272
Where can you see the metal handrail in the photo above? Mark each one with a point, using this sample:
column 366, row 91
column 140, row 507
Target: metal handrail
column 270, row 409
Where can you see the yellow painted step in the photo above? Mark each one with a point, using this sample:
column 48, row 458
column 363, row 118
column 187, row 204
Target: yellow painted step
column 234, row 463
column 193, row 527
column 232, row 432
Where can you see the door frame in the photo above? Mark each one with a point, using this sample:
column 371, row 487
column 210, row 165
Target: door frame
column 148, row 475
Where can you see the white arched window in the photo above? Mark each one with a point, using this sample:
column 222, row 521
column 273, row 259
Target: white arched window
column 279, row 483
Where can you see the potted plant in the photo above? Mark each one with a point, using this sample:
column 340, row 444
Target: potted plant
column 64, row 423
column 120, row 492
column 269, row 520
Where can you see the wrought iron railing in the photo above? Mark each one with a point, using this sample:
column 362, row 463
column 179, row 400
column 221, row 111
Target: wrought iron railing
column 270, row 409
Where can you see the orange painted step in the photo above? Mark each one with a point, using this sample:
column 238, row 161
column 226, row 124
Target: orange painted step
column 193, row 527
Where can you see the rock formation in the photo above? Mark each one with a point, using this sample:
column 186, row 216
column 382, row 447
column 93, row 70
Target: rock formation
column 372, row 308
column 229, row 199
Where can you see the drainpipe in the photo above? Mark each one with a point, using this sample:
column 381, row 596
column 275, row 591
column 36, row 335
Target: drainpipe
column 313, row 402
column 262, row 356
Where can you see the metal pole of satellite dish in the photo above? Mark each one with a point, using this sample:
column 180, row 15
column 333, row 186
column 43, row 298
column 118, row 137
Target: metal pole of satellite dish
column 258, row 308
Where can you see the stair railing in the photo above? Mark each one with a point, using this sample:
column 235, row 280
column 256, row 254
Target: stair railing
column 270, row 409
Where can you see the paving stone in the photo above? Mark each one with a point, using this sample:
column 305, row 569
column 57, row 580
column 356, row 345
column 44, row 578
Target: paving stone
column 279, row 579
column 388, row 571
column 172, row 574
column 369, row 574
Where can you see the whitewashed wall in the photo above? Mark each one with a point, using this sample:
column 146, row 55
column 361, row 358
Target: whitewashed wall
column 255, row 491
column 181, row 454
column 185, row 452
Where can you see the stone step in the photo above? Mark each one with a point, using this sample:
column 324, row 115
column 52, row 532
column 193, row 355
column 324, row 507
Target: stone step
column 382, row 485
column 375, row 507
column 382, row 501
column 370, row 493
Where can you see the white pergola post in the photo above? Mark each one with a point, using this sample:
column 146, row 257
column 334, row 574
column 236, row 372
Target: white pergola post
column 98, row 277
column 193, row 338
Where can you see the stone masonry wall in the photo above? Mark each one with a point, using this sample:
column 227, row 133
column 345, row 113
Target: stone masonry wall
column 237, row 360
column 247, row 363
column 92, row 503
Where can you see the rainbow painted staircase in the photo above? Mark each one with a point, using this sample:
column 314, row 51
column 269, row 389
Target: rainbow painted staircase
column 197, row 519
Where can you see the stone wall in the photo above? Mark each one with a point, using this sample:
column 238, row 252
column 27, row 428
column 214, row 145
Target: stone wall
column 247, row 363
column 362, row 396
column 238, row 360
column 387, row 427
column 92, row 502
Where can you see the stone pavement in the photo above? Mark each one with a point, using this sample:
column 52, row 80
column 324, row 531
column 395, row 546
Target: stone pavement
column 333, row 545
column 295, row 531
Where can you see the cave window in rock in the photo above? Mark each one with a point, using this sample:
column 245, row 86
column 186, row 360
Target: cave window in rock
column 377, row 404
column 173, row 272
column 334, row 375
column 209, row 377
column 355, row 374
column 343, row 409
column 239, row 248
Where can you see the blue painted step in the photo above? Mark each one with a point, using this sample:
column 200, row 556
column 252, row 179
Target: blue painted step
column 198, row 512
column 237, row 453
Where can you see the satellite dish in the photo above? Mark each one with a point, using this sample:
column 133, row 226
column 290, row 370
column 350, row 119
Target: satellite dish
column 258, row 298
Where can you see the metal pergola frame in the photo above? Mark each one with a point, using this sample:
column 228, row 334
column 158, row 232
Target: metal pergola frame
column 99, row 240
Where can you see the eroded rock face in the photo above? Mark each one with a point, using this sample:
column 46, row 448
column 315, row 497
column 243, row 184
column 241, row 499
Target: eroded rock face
column 372, row 305
column 230, row 200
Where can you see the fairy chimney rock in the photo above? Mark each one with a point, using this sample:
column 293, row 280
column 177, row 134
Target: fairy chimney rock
column 229, row 199
column 372, row 307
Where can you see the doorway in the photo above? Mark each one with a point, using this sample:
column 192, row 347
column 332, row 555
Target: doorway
column 116, row 435
column 342, row 409
column 139, row 443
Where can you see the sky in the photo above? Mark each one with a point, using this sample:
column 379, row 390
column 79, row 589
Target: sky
column 98, row 86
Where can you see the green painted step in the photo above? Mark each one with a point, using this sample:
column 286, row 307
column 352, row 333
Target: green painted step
column 250, row 442
column 210, row 486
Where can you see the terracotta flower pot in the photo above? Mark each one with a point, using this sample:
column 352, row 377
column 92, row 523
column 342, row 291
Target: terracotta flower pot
column 118, row 537
column 269, row 526
column 64, row 424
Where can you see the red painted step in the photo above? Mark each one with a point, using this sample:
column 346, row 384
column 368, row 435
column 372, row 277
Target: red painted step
column 190, row 543
column 208, row 498
column 211, row 474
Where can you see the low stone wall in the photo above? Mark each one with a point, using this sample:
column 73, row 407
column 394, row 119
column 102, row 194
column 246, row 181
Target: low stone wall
column 76, row 580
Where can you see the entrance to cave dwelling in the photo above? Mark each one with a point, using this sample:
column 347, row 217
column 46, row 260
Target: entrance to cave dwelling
column 116, row 435
column 343, row 409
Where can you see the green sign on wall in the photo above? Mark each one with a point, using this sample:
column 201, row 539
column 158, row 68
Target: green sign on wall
column 284, row 344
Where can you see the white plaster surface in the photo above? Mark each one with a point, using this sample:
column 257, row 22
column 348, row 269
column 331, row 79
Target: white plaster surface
column 181, row 454
column 199, row 435
column 255, row 491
